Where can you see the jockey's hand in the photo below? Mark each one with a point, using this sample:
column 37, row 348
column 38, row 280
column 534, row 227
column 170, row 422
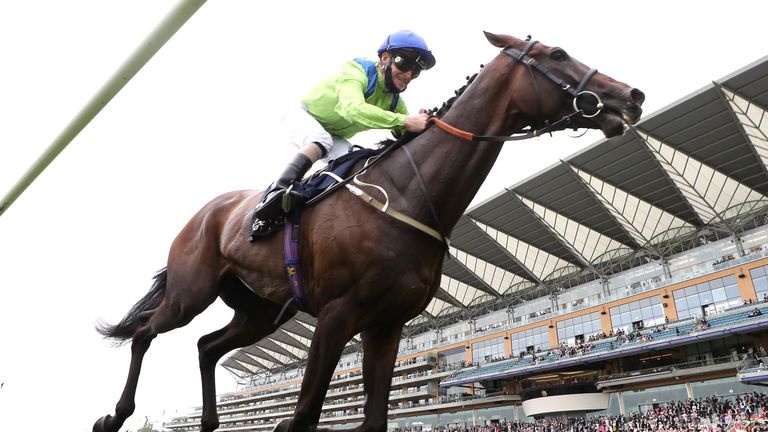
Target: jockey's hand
column 416, row 122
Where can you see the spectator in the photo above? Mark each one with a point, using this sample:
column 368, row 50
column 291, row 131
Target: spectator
column 745, row 412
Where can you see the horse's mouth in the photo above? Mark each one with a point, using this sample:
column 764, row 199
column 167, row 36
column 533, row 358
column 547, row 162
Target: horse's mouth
column 615, row 122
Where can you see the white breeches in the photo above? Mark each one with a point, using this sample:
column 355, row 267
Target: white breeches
column 302, row 129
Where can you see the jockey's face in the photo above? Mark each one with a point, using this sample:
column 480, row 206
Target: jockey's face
column 400, row 78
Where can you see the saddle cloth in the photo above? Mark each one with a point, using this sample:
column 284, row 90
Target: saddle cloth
column 340, row 166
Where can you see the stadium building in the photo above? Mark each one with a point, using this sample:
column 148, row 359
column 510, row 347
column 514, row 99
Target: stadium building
column 632, row 273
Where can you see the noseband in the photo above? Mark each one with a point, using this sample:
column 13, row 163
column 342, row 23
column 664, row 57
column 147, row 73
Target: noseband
column 531, row 63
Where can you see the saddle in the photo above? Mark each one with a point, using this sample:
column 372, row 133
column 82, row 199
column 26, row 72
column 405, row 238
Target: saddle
column 301, row 192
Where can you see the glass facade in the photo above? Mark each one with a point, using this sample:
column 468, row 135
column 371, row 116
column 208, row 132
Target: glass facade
column 760, row 281
column 614, row 407
column 537, row 337
column 707, row 297
column 580, row 327
column 486, row 351
column 648, row 312
column 643, row 400
column 721, row 387
column 459, row 419
column 451, row 357
column 735, row 346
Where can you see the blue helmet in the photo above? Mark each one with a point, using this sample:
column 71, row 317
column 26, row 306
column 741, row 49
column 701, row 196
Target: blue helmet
column 406, row 39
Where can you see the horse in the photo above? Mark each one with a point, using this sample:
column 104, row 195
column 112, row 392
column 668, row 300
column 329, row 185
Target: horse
column 364, row 272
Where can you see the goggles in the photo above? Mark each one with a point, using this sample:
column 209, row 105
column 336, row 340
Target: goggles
column 406, row 64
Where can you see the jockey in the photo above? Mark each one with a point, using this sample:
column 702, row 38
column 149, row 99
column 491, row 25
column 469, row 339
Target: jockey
column 363, row 96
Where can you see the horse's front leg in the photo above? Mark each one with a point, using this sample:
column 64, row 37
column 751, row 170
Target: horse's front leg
column 336, row 325
column 379, row 352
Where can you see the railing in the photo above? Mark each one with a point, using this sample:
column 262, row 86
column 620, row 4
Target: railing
column 753, row 365
column 669, row 368
column 393, row 407
column 336, row 379
column 740, row 260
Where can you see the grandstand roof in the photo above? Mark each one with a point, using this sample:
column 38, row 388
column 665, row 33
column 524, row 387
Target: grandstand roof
column 697, row 168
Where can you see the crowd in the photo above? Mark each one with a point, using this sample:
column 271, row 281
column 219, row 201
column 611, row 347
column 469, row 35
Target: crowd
column 619, row 338
column 748, row 412
column 703, row 324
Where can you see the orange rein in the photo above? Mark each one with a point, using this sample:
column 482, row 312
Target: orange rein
column 561, row 124
column 469, row 136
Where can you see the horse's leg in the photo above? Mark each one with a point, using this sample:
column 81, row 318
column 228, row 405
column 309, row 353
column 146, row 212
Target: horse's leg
column 253, row 320
column 334, row 329
column 190, row 289
column 125, row 405
column 379, row 353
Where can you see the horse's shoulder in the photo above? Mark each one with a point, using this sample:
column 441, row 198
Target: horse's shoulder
column 234, row 198
column 227, row 206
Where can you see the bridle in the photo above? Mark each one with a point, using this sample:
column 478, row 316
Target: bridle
column 577, row 94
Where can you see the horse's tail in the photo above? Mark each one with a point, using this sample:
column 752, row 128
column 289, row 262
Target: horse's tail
column 143, row 309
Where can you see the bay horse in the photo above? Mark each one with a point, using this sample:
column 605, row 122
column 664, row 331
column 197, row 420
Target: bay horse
column 363, row 271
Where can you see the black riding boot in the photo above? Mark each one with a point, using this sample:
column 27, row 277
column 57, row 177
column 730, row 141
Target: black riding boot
column 272, row 206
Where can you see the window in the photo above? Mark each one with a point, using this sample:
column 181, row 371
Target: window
column 646, row 312
column 760, row 281
column 707, row 297
column 487, row 351
column 451, row 357
column 537, row 337
column 580, row 327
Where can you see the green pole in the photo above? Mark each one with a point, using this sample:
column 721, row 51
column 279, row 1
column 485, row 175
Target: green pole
column 162, row 33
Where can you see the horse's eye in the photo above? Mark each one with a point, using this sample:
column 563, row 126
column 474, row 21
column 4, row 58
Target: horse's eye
column 558, row 55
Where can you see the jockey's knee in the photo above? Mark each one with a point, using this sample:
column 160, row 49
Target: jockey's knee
column 314, row 151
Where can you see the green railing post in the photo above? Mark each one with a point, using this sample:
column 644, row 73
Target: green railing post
column 162, row 33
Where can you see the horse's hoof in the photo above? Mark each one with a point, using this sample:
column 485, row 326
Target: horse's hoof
column 283, row 426
column 99, row 425
column 206, row 426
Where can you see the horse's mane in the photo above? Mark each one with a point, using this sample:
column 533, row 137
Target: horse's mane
column 440, row 112
column 435, row 112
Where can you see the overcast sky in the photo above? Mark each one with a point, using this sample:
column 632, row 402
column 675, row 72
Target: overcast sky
column 83, row 242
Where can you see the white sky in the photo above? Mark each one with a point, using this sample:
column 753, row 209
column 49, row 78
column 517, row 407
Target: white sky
column 83, row 242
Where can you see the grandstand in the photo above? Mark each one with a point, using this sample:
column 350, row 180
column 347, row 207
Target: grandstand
column 630, row 275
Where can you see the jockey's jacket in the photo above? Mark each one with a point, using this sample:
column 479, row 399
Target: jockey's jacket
column 347, row 103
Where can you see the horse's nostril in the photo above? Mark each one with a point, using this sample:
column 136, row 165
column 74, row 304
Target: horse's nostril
column 637, row 96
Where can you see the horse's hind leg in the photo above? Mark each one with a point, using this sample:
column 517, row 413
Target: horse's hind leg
column 176, row 310
column 253, row 320
column 126, row 404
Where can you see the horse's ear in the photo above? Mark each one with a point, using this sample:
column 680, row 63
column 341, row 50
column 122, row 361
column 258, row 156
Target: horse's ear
column 496, row 40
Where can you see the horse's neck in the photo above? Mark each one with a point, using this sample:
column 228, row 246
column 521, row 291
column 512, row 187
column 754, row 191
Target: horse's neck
column 454, row 169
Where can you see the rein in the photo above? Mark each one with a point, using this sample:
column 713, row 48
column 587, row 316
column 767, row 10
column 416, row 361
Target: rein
column 531, row 63
column 469, row 136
